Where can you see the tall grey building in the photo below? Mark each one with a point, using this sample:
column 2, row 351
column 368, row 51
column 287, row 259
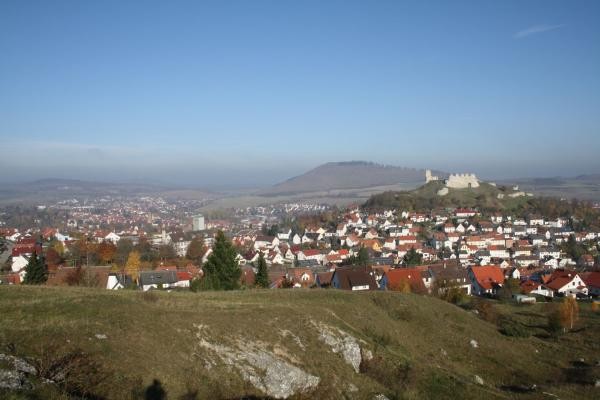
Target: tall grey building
column 198, row 223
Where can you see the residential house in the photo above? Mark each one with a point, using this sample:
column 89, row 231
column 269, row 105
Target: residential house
column 449, row 275
column 323, row 279
column 371, row 234
column 465, row 212
column 112, row 237
column 117, row 281
column 403, row 279
column 486, row 280
column 311, row 254
column 586, row 260
column 268, row 242
column 498, row 251
column 533, row 287
column 566, row 283
column 409, row 239
column 355, row 279
column 157, row 279
column 301, row 277
column 284, row 234
column 592, row 281
column 19, row 262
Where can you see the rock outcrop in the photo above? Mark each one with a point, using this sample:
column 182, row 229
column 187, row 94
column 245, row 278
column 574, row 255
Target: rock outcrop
column 269, row 372
column 341, row 342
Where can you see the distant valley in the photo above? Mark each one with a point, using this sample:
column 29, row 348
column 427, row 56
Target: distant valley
column 338, row 183
column 583, row 187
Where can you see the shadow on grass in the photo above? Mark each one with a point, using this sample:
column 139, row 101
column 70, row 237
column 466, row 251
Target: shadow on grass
column 155, row 391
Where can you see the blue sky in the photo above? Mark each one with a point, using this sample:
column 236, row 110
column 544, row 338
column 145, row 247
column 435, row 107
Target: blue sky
column 251, row 92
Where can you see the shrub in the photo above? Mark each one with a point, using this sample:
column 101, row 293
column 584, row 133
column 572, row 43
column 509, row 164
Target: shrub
column 486, row 311
column 454, row 295
column 395, row 375
column 196, row 285
column 512, row 328
column 149, row 296
column 554, row 326
column 392, row 308
column 74, row 371
column 380, row 339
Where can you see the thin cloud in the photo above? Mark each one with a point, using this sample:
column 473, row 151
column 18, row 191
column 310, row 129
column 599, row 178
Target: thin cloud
column 536, row 29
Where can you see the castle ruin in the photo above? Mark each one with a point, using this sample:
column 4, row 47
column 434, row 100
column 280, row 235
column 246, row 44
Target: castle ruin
column 462, row 181
column 454, row 181
column 429, row 177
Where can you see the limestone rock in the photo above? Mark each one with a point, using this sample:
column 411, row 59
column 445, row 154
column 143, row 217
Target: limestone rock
column 265, row 370
column 341, row 342
column 13, row 380
column 352, row 388
column 19, row 364
column 380, row 397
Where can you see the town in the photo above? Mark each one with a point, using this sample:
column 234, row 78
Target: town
column 150, row 244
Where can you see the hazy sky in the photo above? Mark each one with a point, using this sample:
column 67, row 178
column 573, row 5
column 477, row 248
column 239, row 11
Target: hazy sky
column 251, row 92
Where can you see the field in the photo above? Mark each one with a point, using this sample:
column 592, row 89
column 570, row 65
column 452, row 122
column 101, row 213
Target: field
column 421, row 346
column 586, row 187
column 338, row 197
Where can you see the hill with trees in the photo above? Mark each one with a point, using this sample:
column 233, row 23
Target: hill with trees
column 348, row 175
column 426, row 197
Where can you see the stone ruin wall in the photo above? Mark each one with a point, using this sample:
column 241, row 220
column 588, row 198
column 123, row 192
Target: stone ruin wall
column 462, row 181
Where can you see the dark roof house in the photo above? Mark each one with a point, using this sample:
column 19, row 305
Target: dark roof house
column 350, row 278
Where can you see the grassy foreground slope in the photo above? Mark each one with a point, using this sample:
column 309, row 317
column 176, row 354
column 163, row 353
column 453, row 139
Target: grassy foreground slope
column 421, row 345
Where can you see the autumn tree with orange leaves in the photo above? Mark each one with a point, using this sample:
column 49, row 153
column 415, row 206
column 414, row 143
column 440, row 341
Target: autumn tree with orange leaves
column 569, row 312
column 106, row 252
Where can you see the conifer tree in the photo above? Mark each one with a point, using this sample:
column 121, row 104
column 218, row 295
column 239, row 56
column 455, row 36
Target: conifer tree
column 262, row 276
column 221, row 270
column 35, row 271
column 412, row 257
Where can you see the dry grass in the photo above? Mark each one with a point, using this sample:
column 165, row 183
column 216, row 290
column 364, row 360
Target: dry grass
column 425, row 340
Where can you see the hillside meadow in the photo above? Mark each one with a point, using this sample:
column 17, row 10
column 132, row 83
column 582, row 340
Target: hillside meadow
column 117, row 345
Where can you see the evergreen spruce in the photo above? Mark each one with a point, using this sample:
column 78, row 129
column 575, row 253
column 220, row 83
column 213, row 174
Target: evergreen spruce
column 221, row 270
column 412, row 257
column 35, row 271
column 262, row 276
column 361, row 258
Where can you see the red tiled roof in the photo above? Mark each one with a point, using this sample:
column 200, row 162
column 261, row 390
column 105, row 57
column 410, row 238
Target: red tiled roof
column 311, row 252
column 488, row 276
column 184, row 276
column 529, row 286
column 560, row 278
column 591, row 279
column 396, row 277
